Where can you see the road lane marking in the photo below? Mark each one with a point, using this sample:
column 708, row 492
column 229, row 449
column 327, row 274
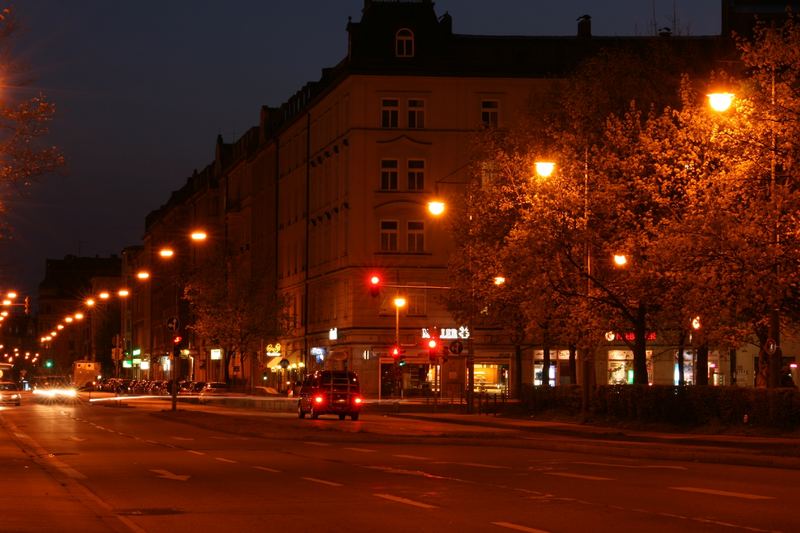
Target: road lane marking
column 267, row 469
column 148, row 441
column 322, row 481
column 77, row 439
column 613, row 465
column 225, row 460
column 579, row 476
column 402, row 456
column 196, row 452
column 406, row 501
column 518, row 527
column 715, row 492
column 166, row 474
column 364, row 450
column 476, row 465
column 316, row 443
column 182, row 438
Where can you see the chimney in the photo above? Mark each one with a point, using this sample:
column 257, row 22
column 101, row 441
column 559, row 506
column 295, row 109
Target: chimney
column 585, row 26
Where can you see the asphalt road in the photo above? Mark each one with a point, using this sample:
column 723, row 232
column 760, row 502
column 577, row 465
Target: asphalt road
column 86, row 468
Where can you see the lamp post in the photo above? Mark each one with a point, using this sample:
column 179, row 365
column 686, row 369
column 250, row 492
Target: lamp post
column 721, row 102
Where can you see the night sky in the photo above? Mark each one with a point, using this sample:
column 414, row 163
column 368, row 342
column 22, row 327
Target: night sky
column 143, row 88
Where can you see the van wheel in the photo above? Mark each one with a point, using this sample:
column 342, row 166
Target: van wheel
column 354, row 416
column 300, row 412
column 341, row 417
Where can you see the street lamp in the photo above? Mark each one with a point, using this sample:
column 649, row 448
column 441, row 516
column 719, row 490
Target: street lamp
column 720, row 102
column 399, row 302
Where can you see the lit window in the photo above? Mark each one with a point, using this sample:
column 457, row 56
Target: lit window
column 389, row 174
column 416, row 114
column 404, row 43
column 390, row 109
column 489, row 113
column 416, row 175
column 389, row 235
column 416, row 236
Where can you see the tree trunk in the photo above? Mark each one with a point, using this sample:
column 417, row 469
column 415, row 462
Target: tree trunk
column 681, row 351
column 640, row 346
column 573, row 367
column 546, row 364
column 518, row 371
column 701, row 369
column 732, row 357
column 587, row 378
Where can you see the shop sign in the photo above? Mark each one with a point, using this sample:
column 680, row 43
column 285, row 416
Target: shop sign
column 136, row 352
column 216, row 354
column 137, row 361
column 629, row 336
column 333, row 334
column 461, row 332
column 319, row 353
column 273, row 350
column 145, row 365
column 126, row 363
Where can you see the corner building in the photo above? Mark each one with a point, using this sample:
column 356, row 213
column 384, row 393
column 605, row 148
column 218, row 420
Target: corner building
column 332, row 186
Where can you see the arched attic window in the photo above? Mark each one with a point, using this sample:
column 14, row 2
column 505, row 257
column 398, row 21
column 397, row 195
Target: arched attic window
column 404, row 43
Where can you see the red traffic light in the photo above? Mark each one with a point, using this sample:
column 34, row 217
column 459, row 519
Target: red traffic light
column 177, row 339
column 375, row 282
column 432, row 344
column 396, row 352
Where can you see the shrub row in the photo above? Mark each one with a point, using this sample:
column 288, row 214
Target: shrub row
column 683, row 406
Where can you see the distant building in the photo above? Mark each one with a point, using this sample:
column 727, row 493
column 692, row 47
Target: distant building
column 62, row 293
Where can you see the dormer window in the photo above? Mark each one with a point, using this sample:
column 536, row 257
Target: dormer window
column 404, row 43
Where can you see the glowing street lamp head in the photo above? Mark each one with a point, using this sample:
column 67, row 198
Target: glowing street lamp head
column 720, row 102
column 143, row 275
column 6, row 302
column 399, row 302
column 89, row 302
column 620, row 260
column 696, row 322
column 104, row 295
column 499, row 280
column 166, row 253
column 68, row 319
column 78, row 316
column 60, row 327
column 11, row 295
column 123, row 293
column 198, row 235
column 544, row 169
column 436, row 207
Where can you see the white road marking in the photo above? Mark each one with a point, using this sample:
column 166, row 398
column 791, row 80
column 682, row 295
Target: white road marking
column 77, row 439
column 715, row 492
column 322, row 481
column 166, row 474
column 364, row 450
column 266, row 469
column 518, row 527
column 401, row 456
column 148, row 441
column 316, row 443
column 196, row 452
column 579, row 476
column 182, row 438
column 481, row 465
column 406, row 501
column 225, row 460
column 613, row 465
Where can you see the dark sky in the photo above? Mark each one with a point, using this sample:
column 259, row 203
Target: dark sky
column 143, row 88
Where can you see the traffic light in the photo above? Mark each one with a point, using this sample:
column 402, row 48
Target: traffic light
column 176, row 345
column 375, row 282
column 48, row 363
column 395, row 352
column 433, row 348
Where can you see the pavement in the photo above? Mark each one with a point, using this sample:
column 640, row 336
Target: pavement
column 747, row 446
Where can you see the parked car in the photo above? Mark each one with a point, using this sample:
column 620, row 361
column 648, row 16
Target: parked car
column 330, row 392
column 214, row 387
column 10, row 393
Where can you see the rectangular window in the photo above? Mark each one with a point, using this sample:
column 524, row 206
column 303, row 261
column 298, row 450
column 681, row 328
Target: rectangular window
column 416, row 236
column 388, row 174
column 416, row 303
column 416, row 114
column 416, row 175
column 489, row 113
column 389, row 230
column 390, row 110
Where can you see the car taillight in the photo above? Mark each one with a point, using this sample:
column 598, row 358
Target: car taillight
column 358, row 400
column 319, row 399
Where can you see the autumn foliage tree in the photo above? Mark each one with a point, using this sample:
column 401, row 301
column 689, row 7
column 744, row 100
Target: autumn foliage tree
column 24, row 124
